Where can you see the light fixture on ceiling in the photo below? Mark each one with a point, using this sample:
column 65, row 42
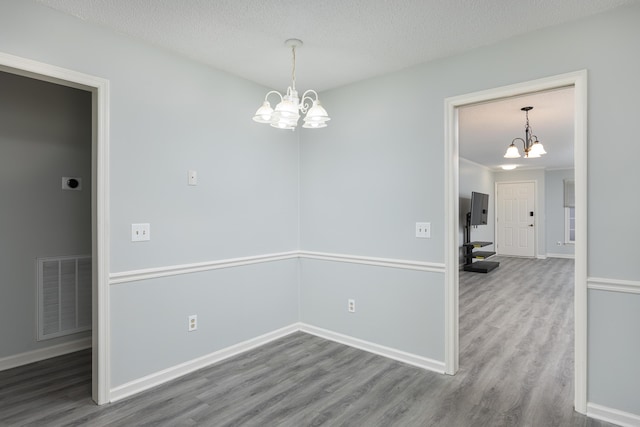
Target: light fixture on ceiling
column 531, row 146
column 286, row 113
column 508, row 167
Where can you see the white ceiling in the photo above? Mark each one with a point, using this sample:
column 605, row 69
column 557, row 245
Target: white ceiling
column 487, row 129
column 344, row 40
column 350, row 40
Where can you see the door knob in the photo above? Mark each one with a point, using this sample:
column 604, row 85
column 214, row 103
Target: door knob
column 530, row 225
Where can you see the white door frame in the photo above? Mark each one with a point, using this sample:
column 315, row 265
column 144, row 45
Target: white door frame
column 577, row 79
column 535, row 216
column 99, row 89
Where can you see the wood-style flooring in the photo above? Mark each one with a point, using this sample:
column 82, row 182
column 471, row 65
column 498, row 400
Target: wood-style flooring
column 516, row 369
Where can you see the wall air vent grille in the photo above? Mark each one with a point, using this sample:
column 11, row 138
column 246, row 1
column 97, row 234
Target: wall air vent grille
column 64, row 296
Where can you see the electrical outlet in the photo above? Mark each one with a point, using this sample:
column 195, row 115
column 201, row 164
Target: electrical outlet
column 193, row 322
column 192, row 177
column 351, row 305
column 140, row 232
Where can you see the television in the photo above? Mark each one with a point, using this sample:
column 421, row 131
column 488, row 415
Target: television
column 479, row 208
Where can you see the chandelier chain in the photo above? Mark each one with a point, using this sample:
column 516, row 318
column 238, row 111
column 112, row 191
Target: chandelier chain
column 293, row 68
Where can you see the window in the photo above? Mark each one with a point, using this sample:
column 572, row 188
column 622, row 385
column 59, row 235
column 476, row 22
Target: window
column 569, row 225
column 569, row 211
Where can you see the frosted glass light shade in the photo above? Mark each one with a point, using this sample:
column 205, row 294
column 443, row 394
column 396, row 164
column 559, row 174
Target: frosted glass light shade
column 264, row 113
column 537, row 149
column 512, row 152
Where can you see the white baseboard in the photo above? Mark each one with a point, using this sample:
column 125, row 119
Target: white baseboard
column 157, row 378
column 44, row 353
column 566, row 256
column 391, row 353
column 611, row 415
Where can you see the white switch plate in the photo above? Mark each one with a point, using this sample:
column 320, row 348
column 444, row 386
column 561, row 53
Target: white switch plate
column 140, row 232
column 193, row 178
column 193, row 322
column 423, row 230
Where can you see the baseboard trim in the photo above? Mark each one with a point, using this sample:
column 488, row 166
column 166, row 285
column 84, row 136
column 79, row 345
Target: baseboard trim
column 614, row 285
column 44, row 353
column 565, row 256
column 141, row 384
column 611, row 415
column 401, row 356
column 160, row 377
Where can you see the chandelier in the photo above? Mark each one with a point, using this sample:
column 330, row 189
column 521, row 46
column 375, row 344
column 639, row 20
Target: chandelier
column 531, row 146
column 287, row 111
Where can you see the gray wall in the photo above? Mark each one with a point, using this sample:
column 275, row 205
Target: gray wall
column 169, row 115
column 45, row 134
column 364, row 181
column 378, row 168
column 555, row 223
column 474, row 177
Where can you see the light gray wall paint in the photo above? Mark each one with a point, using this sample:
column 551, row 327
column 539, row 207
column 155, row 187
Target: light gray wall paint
column 45, row 134
column 168, row 115
column 365, row 180
column 150, row 334
column 378, row 167
column 384, row 314
column 474, row 177
column 555, row 223
column 613, row 347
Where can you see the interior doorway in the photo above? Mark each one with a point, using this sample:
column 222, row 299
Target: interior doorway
column 99, row 90
column 578, row 81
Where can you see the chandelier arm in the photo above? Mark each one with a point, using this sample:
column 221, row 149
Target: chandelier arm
column 273, row 91
column 524, row 144
column 305, row 97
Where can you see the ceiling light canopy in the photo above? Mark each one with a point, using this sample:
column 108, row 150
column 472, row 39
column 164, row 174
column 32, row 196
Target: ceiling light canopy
column 531, row 146
column 287, row 111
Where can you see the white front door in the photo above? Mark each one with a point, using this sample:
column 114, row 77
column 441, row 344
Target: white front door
column 516, row 219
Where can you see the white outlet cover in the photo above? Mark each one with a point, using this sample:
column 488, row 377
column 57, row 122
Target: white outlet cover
column 193, row 177
column 193, row 322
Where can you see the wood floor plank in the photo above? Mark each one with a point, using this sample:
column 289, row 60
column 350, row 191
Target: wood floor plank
column 516, row 369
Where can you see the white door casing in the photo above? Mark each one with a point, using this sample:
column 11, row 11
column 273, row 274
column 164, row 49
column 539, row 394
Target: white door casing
column 578, row 79
column 515, row 220
column 99, row 88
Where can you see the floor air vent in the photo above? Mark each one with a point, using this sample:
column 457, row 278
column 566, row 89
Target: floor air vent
column 64, row 296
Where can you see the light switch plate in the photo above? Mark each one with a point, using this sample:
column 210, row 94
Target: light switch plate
column 140, row 232
column 423, row 230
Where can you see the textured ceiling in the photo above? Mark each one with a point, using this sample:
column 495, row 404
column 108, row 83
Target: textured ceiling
column 344, row 40
column 350, row 40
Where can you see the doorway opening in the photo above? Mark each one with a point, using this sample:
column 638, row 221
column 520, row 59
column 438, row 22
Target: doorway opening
column 98, row 89
column 452, row 242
